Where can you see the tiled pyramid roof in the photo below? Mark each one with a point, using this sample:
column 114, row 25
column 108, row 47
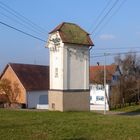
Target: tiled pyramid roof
column 73, row 34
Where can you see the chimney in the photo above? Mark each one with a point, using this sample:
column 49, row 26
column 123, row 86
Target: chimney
column 98, row 63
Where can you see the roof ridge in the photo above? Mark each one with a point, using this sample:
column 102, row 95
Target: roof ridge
column 27, row 64
column 61, row 25
column 75, row 25
column 102, row 65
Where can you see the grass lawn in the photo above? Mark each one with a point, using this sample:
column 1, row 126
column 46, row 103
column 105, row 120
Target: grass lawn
column 45, row 125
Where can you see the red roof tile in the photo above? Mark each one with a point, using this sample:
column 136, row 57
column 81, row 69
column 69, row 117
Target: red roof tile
column 94, row 70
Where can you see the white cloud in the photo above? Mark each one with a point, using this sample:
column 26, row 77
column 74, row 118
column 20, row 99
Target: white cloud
column 107, row 37
column 138, row 32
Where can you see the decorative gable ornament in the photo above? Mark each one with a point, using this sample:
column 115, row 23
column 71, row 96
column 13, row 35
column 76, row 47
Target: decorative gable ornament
column 54, row 42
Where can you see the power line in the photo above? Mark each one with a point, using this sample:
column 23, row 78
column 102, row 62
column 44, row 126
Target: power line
column 18, row 22
column 103, row 18
column 116, row 48
column 19, row 18
column 112, row 54
column 20, row 15
column 22, row 31
column 22, row 18
column 130, row 49
column 99, row 16
column 110, row 17
column 123, row 1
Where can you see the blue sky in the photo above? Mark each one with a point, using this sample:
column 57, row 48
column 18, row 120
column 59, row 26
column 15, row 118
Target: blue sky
column 119, row 30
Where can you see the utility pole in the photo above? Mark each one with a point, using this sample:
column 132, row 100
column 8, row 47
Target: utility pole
column 105, row 83
column 105, row 94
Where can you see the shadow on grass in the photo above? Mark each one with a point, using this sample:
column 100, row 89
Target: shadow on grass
column 131, row 113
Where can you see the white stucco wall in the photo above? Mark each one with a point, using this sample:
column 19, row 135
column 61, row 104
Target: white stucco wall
column 56, row 62
column 71, row 62
column 36, row 98
column 76, row 67
column 97, row 96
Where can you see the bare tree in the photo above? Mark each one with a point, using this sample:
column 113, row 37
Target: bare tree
column 12, row 91
column 129, row 81
column 115, row 97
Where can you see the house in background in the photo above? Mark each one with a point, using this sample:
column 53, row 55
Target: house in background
column 33, row 82
column 97, row 90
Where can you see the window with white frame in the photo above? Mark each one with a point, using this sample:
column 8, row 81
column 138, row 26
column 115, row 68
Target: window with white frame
column 99, row 98
column 99, row 87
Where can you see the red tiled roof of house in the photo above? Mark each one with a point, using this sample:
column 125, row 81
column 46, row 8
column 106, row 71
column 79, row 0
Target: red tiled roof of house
column 95, row 69
column 73, row 34
column 33, row 77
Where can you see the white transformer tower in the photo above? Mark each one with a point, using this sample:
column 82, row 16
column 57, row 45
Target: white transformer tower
column 69, row 48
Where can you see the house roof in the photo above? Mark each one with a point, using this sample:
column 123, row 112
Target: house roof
column 110, row 70
column 73, row 34
column 32, row 77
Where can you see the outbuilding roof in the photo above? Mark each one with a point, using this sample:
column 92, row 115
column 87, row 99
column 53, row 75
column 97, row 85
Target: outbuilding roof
column 73, row 34
column 32, row 77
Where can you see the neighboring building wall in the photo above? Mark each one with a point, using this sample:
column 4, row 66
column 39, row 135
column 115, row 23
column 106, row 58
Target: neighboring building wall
column 37, row 98
column 10, row 75
column 115, row 77
column 69, row 100
column 97, row 96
